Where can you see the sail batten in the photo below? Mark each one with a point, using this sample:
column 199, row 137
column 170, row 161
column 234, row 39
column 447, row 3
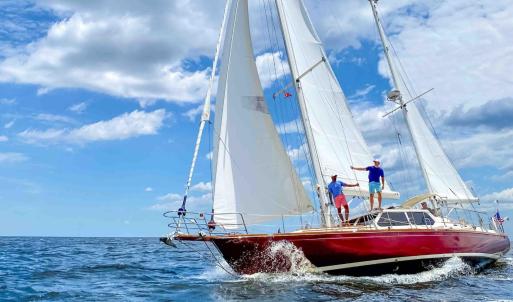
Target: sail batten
column 252, row 172
column 338, row 141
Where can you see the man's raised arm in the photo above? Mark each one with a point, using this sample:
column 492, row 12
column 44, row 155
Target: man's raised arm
column 359, row 169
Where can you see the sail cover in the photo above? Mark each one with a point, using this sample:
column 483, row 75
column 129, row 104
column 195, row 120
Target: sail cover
column 338, row 140
column 441, row 176
column 252, row 172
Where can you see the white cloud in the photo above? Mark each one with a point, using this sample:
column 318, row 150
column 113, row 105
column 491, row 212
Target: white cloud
column 271, row 67
column 209, row 155
column 3, row 138
column 462, row 49
column 125, row 126
column 128, row 49
column 78, row 107
column 505, row 195
column 47, row 117
column 148, row 189
column 491, row 148
column 12, row 157
column 5, row 101
column 9, row 124
column 193, row 113
column 344, row 24
column 202, row 187
column 172, row 201
column 289, row 127
column 296, row 154
column 505, row 177
column 361, row 93
column 307, row 183
column 170, row 197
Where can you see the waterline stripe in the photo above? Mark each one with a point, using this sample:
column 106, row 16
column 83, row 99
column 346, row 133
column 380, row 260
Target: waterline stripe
column 408, row 258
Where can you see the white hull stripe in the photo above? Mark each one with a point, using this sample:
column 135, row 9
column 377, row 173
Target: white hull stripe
column 408, row 258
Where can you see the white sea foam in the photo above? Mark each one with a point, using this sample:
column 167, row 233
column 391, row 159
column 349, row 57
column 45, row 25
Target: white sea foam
column 452, row 267
column 216, row 273
column 298, row 262
column 508, row 261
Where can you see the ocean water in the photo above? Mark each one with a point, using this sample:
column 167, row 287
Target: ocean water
column 143, row 269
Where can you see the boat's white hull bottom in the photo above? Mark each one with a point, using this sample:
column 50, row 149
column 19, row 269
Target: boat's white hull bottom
column 406, row 265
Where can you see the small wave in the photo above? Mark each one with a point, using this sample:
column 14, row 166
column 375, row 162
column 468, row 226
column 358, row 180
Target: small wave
column 113, row 266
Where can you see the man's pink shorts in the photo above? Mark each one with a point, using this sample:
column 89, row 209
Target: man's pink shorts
column 340, row 201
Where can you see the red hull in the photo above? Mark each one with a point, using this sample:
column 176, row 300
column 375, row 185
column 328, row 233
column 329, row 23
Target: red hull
column 359, row 253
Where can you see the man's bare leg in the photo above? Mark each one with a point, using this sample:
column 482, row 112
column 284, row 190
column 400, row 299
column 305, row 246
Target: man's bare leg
column 379, row 200
column 340, row 215
column 346, row 208
column 371, row 199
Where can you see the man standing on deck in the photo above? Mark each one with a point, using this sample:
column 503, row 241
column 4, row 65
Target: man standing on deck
column 335, row 190
column 375, row 174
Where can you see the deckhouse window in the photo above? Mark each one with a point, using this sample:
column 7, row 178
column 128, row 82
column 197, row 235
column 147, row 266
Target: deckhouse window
column 393, row 219
column 420, row 218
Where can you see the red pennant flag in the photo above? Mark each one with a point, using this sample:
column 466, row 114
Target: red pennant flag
column 287, row 94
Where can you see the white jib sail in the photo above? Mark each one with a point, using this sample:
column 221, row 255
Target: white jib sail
column 441, row 176
column 253, row 174
column 338, row 140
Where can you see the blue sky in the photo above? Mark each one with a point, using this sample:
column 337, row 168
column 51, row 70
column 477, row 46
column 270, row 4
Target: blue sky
column 99, row 102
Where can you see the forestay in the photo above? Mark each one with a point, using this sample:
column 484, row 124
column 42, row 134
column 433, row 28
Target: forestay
column 252, row 172
column 338, row 141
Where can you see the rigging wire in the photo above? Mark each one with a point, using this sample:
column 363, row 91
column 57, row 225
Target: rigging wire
column 294, row 113
column 284, row 137
column 426, row 117
column 218, row 263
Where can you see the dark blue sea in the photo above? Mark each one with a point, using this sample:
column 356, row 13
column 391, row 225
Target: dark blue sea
column 142, row 269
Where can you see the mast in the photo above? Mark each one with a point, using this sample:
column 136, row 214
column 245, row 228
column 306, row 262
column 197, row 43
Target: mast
column 205, row 116
column 321, row 185
column 398, row 95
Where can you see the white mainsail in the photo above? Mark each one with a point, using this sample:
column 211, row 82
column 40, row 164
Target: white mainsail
column 252, row 172
column 440, row 174
column 338, row 141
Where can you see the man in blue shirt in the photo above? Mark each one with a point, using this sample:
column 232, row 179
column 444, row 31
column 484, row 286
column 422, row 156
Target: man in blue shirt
column 336, row 194
column 375, row 174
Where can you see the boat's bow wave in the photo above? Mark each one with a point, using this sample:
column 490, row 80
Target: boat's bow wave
column 278, row 256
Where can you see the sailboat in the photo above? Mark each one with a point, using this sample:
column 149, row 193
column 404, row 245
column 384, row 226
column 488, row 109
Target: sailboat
column 254, row 180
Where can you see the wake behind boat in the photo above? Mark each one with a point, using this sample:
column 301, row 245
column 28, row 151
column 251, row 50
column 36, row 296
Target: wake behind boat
column 255, row 182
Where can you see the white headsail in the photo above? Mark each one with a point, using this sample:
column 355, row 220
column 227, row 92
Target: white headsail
column 441, row 177
column 252, row 172
column 338, row 141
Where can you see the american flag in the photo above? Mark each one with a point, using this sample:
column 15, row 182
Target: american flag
column 498, row 217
